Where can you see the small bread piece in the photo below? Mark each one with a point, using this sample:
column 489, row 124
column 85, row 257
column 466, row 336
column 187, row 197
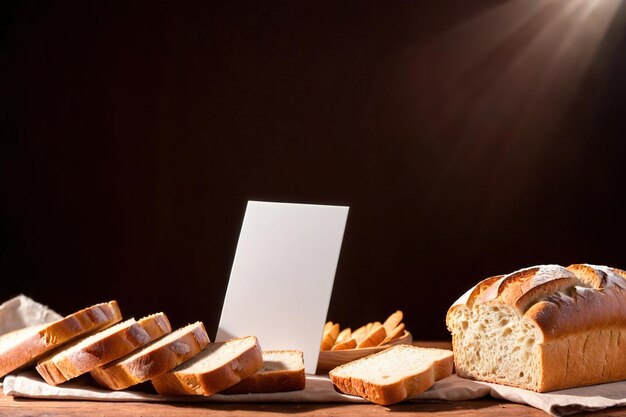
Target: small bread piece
column 154, row 359
column 394, row 374
column 359, row 334
column 393, row 321
column 219, row 366
column 376, row 335
column 394, row 334
column 344, row 335
column 282, row 371
column 101, row 348
column 331, row 331
column 25, row 346
column 348, row 344
column 344, row 340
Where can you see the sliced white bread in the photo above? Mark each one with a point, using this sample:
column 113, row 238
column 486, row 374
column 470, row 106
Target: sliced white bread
column 25, row 346
column 154, row 359
column 282, row 371
column 218, row 367
column 344, row 335
column 393, row 321
column 394, row 374
column 359, row 334
column 375, row 335
column 101, row 348
column 394, row 334
column 344, row 340
column 348, row 344
column 330, row 334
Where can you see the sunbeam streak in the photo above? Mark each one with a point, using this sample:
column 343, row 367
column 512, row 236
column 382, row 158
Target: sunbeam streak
column 489, row 91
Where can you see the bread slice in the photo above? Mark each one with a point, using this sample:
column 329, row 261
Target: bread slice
column 331, row 331
column 219, row 367
column 348, row 344
column 101, row 348
column 376, row 334
column 393, row 321
column 394, row 374
column 395, row 333
column 282, row 371
column 25, row 346
column 359, row 334
column 154, row 359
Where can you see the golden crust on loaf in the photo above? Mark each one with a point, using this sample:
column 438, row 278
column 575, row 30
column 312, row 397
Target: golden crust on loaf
column 569, row 322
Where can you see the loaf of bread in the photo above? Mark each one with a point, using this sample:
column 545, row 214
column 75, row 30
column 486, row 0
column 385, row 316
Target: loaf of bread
column 25, row 346
column 282, row 371
column 394, row 374
column 220, row 366
column 154, row 359
column 543, row 328
column 100, row 348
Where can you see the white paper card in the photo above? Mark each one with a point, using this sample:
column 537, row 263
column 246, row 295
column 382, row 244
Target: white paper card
column 282, row 276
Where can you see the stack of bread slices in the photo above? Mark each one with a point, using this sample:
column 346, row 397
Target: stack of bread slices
column 119, row 354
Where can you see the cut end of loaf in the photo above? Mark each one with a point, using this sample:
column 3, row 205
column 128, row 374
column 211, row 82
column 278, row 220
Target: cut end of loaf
column 494, row 343
column 542, row 328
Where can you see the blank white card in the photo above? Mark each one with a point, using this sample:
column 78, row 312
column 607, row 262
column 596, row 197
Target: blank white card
column 282, row 276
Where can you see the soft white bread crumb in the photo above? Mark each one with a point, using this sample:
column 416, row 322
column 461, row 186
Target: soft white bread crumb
column 218, row 367
column 153, row 359
column 282, row 371
column 394, row 374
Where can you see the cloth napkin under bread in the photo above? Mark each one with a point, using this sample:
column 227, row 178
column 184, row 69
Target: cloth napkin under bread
column 21, row 311
column 318, row 387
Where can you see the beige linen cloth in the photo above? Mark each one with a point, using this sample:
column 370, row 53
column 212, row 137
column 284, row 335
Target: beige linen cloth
column 318, row 387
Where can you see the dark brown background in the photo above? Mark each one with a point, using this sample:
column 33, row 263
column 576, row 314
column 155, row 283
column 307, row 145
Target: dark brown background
column 133, row 133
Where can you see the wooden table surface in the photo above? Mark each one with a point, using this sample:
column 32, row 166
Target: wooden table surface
column 19, row 407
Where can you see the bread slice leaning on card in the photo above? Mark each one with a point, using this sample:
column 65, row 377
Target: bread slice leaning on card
column 25, row 346
column 220, row 366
